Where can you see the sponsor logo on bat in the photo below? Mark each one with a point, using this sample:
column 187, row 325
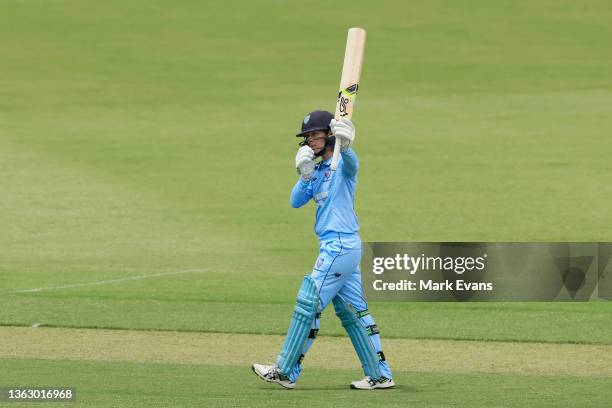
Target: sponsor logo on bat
column 343, row 102
column 352, row 89
column 345, row 96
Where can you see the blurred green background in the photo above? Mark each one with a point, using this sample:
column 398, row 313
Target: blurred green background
column 147, row 137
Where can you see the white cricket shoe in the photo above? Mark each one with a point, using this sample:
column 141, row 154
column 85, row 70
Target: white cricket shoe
column 270, row 373
column 370, row 384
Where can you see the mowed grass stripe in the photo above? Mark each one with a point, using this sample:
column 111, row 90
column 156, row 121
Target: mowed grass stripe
column 131, row 384
column 243, row 349
column 182, row 304
column 332, row 335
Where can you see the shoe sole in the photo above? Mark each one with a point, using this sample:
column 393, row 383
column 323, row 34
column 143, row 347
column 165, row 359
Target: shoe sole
column 270, row 381
column 373, row 388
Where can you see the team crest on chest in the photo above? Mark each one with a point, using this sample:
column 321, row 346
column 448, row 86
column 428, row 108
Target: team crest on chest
column 327, row 175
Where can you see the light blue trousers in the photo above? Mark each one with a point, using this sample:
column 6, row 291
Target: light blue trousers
column 336, row 272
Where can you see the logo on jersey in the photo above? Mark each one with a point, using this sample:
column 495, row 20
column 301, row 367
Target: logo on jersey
column 327, row 175
column 319, row 262
column 320, row 197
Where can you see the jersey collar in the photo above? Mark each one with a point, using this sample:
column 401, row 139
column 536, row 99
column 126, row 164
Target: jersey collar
column 327, row 162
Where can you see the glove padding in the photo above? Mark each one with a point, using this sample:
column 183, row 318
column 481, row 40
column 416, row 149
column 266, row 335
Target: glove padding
column 344, row 131
column 304, row 162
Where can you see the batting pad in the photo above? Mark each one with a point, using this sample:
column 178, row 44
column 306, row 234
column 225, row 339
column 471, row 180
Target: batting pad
column 303, row 315
column 359, row 337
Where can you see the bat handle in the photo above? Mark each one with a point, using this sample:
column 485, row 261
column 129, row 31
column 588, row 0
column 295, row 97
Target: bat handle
column 336, row 156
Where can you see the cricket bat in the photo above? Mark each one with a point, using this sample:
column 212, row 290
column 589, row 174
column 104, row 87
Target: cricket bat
column 349, row 81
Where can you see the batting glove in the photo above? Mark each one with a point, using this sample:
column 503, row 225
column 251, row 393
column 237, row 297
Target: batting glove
column 304, row 162
column 344, row 131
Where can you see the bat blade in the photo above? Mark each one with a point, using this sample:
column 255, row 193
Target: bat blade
column 349, row 81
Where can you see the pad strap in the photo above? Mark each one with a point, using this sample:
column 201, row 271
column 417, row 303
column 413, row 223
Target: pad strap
column 359, row 337
column 299, row 331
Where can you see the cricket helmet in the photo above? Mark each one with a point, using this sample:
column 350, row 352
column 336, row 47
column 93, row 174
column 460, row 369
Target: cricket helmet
column 317, row 120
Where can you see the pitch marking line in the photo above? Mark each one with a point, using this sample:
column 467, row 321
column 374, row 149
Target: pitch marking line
column 106, row 282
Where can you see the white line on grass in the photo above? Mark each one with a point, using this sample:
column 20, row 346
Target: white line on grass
column 106, row 282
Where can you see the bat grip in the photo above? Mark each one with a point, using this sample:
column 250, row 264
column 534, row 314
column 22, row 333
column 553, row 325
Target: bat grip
column 336, row 156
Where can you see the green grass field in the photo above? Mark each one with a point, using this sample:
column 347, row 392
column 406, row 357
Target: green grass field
column 146, row 153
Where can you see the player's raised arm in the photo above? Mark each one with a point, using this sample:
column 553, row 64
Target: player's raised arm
column 344, row 131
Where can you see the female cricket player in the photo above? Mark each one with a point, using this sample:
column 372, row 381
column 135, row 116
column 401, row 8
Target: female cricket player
column 335, row 276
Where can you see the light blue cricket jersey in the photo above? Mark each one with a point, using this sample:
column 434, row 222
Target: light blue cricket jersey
column 333, row 193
